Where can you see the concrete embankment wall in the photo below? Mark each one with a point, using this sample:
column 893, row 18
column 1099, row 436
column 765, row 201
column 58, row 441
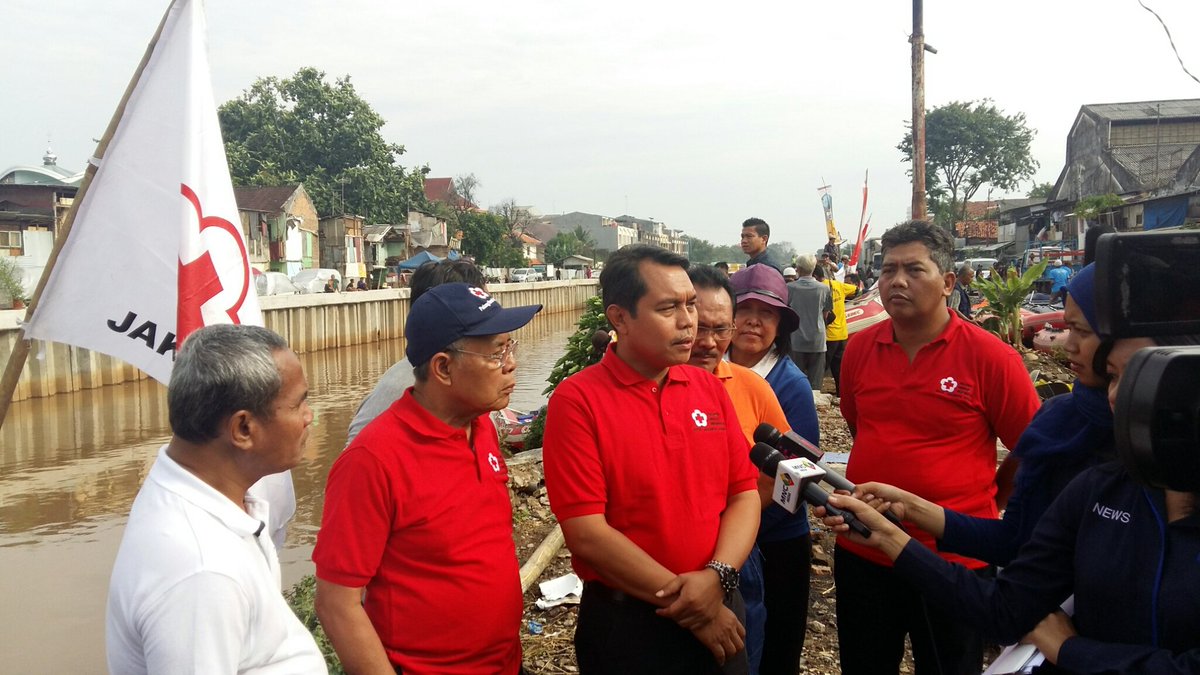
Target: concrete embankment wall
column 309, row 322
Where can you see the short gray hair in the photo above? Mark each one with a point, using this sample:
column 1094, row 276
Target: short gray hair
column 805, row 264
column 220, row 370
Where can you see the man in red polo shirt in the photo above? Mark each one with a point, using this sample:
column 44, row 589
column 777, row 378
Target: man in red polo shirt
column 925, row 394
column 416, row 566
column 648, row 472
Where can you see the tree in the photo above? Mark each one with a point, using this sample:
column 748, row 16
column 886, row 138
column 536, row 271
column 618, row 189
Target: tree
column 968, row 145
column 587, row 243
column 562, row 245
column 487, row 238
column 465, row 188
column 517, row 217
column 303, row 129
column 705, row 252
column 783, row 252
column 1041, row 191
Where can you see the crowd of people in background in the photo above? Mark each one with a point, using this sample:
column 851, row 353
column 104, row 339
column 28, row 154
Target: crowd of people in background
column 688, row 565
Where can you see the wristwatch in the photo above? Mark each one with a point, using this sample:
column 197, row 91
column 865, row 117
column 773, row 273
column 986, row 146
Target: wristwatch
column 727, row 575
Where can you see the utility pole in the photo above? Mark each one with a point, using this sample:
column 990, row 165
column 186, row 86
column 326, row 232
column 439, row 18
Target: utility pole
column 918, row 108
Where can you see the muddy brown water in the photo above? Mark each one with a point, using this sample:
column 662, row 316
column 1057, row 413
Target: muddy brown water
column 70, row 466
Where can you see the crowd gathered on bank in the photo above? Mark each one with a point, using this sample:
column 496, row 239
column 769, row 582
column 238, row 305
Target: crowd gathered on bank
column 690, row 562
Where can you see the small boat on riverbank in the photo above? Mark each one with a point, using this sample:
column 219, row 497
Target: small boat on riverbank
column 512, row 426
column 864, row 311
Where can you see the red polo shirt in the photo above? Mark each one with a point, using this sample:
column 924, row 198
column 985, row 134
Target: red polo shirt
column 660, row 462
column 425, row 524
column 930, row 426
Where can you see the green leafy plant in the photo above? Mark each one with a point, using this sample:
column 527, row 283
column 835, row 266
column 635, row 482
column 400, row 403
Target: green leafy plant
column 579, row 355
column 301, row 598
column 1090, row 208
column 10, row 282
column 1004, row 296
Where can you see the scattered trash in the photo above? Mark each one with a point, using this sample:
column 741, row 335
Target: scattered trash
column 564, row 590
column 535, row 628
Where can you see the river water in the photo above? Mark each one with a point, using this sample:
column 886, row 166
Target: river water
column 70, row 466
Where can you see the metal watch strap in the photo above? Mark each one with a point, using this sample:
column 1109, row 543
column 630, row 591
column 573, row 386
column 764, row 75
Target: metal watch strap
column 726, row 573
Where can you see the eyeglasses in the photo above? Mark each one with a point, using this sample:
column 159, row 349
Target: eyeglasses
column 499, row 358
column 719, row 333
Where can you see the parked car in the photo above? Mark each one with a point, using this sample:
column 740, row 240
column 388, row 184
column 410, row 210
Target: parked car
column 314, row 280
column 274, row 283
column 982, row 266
column 523, row 274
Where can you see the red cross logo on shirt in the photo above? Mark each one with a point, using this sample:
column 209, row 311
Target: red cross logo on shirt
column 949, row 384
column 700, row 419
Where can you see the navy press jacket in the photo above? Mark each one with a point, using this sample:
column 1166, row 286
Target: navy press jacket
column 1136, row 580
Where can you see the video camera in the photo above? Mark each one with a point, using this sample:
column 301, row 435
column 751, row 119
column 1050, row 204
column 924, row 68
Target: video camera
column 1148, row 285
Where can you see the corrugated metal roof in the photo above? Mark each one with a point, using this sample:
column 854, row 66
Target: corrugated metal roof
column 1143, row 110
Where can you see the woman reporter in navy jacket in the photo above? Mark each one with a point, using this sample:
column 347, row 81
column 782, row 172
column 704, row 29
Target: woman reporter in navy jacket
column 1130, row 554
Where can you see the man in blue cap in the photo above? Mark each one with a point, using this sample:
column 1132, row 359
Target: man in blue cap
column 417, row 515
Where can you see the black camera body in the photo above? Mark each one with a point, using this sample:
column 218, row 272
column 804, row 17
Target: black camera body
column 1148, row 285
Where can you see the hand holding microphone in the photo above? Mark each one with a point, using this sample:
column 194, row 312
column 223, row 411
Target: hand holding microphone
column 796, row 480
column 792, row 444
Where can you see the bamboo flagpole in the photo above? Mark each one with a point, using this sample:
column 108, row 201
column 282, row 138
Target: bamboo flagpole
column 20, row 352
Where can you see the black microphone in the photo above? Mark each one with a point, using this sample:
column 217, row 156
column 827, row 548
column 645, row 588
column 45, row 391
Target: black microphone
column 796, row 479
column 795, row 445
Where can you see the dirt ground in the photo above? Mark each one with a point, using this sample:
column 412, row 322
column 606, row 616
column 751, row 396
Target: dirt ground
column 546, row 635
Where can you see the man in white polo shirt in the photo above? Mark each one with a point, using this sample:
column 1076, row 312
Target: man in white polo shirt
column 196, row 585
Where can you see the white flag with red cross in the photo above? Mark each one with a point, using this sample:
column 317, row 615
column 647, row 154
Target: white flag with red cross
column 156, row 250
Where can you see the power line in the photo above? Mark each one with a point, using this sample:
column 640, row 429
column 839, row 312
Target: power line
column 1170, row 39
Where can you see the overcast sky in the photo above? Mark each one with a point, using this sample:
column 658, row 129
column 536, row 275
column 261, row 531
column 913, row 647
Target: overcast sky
column 696, row 114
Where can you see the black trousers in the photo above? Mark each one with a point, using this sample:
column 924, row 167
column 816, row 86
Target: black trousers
column 876, row 608
column 618, row 634
column 786, row 570
column 834, row 349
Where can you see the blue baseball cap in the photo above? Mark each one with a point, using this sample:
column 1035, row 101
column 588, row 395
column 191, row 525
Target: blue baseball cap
column 449, row 312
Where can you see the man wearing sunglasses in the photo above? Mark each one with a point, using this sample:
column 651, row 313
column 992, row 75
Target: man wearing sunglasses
column 417, row 527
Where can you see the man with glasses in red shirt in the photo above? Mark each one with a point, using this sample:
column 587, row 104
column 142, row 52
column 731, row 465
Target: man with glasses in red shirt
column 417, row 524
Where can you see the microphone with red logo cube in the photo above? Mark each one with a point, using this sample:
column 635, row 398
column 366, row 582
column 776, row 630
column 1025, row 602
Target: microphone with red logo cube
column 791, row 445
column 796, row 480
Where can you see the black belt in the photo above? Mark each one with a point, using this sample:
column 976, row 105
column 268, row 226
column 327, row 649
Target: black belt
column 612, row 595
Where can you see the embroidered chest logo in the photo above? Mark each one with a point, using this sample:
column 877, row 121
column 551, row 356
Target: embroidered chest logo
column 494, row 462
column 950, row 385
column 700, row 419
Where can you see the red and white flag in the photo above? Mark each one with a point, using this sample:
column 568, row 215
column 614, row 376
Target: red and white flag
column 156, row 250
column 864, row 224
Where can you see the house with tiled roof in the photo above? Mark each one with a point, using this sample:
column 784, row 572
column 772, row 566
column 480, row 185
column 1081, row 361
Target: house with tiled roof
column 442, row 190
column 532, row 248
column 281, row 227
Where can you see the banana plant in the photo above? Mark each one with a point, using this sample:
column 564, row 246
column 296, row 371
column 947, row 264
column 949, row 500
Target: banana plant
column 1004, row 296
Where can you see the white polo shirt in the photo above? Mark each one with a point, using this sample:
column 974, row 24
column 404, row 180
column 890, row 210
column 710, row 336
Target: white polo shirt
column 196, row 586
